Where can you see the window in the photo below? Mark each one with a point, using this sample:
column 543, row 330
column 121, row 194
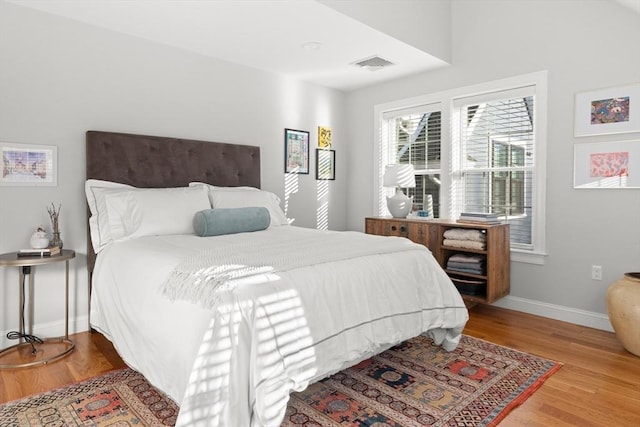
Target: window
column 414, row 137
column 496, row 137
column 480, row 148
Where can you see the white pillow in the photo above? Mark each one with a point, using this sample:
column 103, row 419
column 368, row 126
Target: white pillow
column 242, row 198
column 154, row 211
column 95, row 191
column 245, row 197
column 211, row 188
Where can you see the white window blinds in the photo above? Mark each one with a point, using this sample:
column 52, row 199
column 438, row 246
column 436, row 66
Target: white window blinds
column 414, row 136
column 496, row 158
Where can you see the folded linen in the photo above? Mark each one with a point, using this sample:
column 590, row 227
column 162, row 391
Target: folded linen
column 465, row 234
column 464, row 265
column 466, row 244
column 466, row 270
column 466, row 258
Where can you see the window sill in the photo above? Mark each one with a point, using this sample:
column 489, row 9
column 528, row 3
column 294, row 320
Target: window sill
column 528, row 257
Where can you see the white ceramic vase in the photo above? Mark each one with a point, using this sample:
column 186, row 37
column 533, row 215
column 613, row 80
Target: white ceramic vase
column 623, row 306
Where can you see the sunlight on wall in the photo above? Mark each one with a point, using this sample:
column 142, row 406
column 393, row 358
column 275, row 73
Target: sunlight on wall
column 306, row 108
column 322, row 210
column 323, row 118
column 292, row 105
column 291, row 186
column 609, row 182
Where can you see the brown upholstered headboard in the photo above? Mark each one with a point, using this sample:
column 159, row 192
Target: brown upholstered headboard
column 152, row 161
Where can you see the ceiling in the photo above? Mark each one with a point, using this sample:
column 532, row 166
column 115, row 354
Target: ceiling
column 304, row 39
column 631, row 4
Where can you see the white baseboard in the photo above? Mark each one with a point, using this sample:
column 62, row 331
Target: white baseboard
column 50, row 330
column 557, row 312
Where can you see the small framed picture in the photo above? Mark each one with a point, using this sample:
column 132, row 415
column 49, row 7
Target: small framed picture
column 324, row 137
column 296, row 151
column 607, row 165
column 608, row 111
column 325, row 164
column 26, row 164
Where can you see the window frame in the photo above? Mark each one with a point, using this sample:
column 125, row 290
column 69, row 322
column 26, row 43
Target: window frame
column 448, row 100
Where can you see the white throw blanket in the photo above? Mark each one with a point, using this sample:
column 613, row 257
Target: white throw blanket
column 200, row 277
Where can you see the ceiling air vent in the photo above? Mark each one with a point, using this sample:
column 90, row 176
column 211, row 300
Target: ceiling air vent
column 374, row 63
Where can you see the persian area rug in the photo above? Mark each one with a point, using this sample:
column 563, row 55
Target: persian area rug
column 416, row 383
column 118, row 398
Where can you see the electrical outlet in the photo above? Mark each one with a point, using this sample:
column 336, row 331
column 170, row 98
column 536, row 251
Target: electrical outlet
column 596, row 272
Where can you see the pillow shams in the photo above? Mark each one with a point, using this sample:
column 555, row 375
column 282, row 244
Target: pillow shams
column 242, row 197
column 95, row 191
column 216, row 222
column 154, row 211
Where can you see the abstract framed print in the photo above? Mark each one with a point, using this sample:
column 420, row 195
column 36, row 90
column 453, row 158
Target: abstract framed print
column 608, row 111
column 607, row 165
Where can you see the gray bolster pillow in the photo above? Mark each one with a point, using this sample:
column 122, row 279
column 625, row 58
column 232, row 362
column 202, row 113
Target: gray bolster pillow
column 215, row 222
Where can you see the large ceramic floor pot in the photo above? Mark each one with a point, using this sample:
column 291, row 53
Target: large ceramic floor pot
column 623, row 306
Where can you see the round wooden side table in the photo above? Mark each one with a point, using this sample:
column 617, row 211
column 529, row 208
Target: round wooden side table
column 47, row 350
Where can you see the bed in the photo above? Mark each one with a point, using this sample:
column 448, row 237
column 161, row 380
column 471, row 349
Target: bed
column 229, row 324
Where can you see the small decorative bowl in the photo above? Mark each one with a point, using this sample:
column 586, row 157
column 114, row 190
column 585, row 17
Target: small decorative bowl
column 38, row 242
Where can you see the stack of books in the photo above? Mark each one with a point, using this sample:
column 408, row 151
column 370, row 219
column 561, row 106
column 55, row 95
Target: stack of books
column 53, row 250
column 478, row 218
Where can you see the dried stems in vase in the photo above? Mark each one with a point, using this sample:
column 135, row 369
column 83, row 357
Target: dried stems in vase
column 54, row 214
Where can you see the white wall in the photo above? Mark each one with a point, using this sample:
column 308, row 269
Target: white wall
column 584, row 45
column 60, row 78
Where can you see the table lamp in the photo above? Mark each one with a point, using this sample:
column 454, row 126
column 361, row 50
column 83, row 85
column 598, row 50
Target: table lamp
column 399, row 176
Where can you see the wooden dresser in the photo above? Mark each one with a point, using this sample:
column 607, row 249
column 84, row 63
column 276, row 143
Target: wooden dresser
column 430, row 233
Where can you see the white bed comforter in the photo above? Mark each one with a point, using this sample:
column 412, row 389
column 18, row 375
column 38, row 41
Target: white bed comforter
column 270, row 333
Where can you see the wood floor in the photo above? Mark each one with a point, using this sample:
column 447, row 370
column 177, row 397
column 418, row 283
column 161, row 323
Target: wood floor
column 599, row 384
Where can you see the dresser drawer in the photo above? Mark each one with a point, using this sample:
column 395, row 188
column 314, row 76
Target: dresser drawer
column 390, row 227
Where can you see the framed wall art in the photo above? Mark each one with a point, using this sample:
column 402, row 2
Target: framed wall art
column 296, row 151
column 607, row 165
column 324, row 137
column 607, row 111
column 26, row 164
column 325, row 164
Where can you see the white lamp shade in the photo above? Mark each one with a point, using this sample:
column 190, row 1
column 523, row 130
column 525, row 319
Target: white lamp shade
column 399, row 175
